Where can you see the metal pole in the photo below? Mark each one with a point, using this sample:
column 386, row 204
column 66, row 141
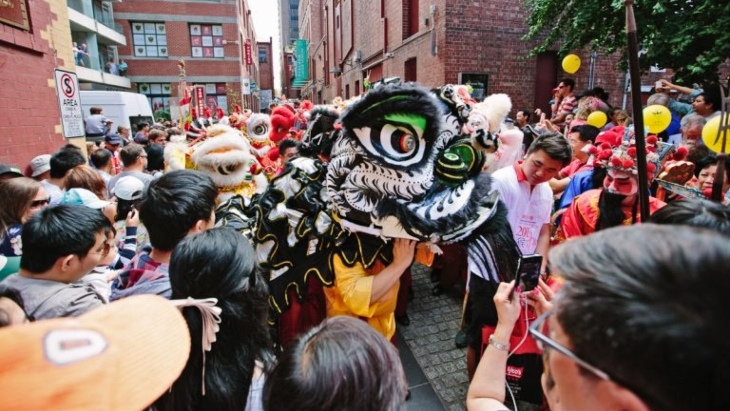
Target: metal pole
column 636, row 108
column 717, row 194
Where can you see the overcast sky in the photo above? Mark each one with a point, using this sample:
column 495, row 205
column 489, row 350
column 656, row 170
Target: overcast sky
column 266, row 21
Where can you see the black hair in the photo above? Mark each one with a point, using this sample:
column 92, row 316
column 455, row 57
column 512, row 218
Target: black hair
column 100, row 158
column 59, row 231
column 586, row 132
column 711, row 160
column 569, row 82
column 220, row 263
column 14, row 296
column 174, row 203
column 525, row 112
column 712, row 96
column 610, row 212
column 647, row 304
column 555, row 145
column 288, row 143
column 698, row 212
column 64, row 160
column 341, row 364
column 600, row 93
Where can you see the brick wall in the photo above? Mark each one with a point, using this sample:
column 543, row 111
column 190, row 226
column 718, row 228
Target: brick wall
column 238, row 29
column 31, row 121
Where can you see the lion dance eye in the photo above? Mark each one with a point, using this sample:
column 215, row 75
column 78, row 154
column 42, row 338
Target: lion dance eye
column 399, row 143
column 260, row 130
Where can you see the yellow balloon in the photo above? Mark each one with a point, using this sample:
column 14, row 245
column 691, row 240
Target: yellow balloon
column 597, row 119
column 712, row 140
column 657, row 118
column 571, row 63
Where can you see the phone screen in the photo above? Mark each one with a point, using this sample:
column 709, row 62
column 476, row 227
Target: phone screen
column 528, row 271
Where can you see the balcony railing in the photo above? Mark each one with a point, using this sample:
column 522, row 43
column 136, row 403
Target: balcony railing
column 102, row 16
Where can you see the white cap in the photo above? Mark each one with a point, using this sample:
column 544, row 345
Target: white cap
column 40, row 164
column 128, row 188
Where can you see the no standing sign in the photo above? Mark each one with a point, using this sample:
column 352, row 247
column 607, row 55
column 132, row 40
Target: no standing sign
column 69, row 103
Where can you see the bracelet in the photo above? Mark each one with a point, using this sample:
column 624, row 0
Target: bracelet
column 498, row 345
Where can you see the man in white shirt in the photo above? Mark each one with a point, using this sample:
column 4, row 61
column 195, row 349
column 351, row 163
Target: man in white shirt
column 525, row 190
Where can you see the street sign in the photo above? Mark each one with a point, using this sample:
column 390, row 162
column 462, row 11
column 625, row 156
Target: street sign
column 199, row 94
column 69, row 104
column 248, row 52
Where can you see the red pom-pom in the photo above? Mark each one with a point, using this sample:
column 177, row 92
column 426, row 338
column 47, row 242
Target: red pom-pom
column 605, row 154
column 255, row 168
column 650, row 167
column 306, row 105
column 681, row 153
column 615, row 161
column 707, row 192
column 593, row 150
column 273, row 154
column 631, row 151
column 605, row 146
column 651, row 139
column 628, row 163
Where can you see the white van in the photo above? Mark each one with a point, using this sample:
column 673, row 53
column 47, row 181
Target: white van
column 125, row 109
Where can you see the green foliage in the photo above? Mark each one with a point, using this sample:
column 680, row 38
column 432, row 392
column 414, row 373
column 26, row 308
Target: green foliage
column 162, row 114
column 690, row 36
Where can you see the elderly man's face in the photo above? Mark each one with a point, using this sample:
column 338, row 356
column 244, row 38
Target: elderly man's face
column 692, row 134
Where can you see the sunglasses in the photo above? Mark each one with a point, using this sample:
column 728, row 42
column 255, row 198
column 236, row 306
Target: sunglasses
column 40, row 203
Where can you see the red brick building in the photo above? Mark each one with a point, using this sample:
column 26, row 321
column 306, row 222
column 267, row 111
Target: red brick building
column 434, row 43
column 210, row 36
column 265, row 87
column 35, row 39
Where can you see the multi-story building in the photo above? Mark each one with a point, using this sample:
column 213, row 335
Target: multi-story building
column 98, row 38
column 288, row 21
column 35, row 39
column 265, row 87
column 435, row 43
column 213, row 38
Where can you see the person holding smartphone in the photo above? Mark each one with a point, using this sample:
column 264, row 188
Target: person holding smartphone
column 525, row 190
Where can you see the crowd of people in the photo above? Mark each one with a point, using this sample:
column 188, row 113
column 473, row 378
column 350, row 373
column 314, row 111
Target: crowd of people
column 620, row 315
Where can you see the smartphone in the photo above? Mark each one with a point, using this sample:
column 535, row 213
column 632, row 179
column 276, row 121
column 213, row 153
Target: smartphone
column 528, row 271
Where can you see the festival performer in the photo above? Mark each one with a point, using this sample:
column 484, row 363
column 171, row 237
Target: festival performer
column 400, row 172
column 617, row 203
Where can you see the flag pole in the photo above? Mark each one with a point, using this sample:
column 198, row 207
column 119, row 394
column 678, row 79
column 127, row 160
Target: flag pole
column 722, row 129
column 634, row 73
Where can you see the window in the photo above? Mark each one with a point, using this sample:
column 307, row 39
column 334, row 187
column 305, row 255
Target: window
column 149, row 39
column 347, row 92
column 357, row 87
column 411, row 70
column 206, row 41
column 157, row 93
column 410, row 18
column 263, row 55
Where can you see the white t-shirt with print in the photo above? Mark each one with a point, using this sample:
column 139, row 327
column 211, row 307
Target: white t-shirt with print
column 528, row 211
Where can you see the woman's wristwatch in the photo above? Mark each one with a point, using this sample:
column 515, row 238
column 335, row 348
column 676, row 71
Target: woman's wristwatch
column 498, row 345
